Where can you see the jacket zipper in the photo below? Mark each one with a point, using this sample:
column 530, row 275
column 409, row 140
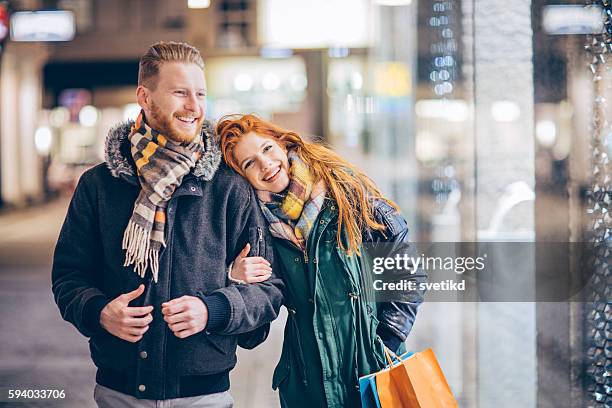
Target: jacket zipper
column 168, row 286
column 334, row 328
column 303, row 251
column 260, row 245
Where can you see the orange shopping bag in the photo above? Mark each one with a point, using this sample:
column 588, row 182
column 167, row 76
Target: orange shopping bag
column 414, row 382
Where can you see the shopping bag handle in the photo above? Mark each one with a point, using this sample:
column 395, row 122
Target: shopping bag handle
column 389, row 354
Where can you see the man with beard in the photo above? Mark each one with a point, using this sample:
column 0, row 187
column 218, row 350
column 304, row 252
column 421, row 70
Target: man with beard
column 141, row 263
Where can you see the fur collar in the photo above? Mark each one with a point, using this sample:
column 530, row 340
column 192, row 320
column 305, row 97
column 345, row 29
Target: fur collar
column 119, row 158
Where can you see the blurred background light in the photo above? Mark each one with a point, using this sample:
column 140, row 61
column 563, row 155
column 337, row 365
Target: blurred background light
column 546, row 132
column 430, row 146
column 451, row 110
column 349, row 103
column 505, row 111
column 393, row 2
column 573, row 19
column 52, row 25
column 273, row 52
column 88, row 116
column 370, row 105
column 59, row 116
column 356, row 81
column 393, row 78
column 270, row 82
column 443, row 88
column 131, row 111
column 198, row 4
column 298, row 82
column 290, row 23
column 338, row 52
column 43, row 139
column 243, row 82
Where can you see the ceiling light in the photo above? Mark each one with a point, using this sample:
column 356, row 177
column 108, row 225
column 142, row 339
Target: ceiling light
column 198, row 4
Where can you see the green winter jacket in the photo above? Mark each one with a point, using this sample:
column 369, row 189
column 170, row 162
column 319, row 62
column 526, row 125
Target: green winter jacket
column 330, row 336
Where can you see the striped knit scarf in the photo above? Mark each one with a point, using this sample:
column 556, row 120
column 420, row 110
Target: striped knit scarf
column 292, row 213
column 161, row 165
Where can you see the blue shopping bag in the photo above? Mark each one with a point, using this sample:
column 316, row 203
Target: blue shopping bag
column 367, row 387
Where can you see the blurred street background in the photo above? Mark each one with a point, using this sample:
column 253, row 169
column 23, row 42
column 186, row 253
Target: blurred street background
column 484, row 120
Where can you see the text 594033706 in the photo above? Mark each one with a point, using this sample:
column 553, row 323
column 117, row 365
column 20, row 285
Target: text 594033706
column 33, row 394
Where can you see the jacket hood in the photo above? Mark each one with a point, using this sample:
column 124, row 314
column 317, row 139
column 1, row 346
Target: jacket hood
column 119, row 160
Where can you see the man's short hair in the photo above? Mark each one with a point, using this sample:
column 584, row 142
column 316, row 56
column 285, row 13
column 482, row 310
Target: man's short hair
column 161, row 52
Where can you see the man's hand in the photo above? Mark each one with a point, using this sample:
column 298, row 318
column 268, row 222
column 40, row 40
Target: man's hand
column 251, row 269
column 127, row 323
column 185, row 316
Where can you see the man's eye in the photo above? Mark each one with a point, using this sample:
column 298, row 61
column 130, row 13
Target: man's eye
column 202, row 95
column 180, row 93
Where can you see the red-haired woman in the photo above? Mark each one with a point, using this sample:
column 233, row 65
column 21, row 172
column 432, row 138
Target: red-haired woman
column 320, row 210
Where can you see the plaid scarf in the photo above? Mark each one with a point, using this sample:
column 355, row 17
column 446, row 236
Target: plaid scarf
column 161, row 165
column 292, row 213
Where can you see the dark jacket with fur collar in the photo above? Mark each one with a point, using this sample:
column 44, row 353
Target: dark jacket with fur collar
column 210, row 218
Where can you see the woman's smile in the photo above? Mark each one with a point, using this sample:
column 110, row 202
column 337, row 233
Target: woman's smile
column 273, row 176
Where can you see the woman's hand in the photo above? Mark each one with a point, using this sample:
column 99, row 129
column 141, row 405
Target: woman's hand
column 250, row 269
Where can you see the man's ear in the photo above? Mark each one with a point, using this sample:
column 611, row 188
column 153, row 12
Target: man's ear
column 144, row 98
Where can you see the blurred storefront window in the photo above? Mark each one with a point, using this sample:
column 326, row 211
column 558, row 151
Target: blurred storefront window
column 253, row 84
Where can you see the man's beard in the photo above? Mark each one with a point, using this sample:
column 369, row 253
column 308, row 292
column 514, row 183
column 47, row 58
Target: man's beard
column 164, row 126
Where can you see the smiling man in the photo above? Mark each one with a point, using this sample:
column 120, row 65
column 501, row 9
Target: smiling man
column 141, row 262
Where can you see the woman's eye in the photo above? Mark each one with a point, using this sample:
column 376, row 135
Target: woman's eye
column 248, row 164
column 266, row 148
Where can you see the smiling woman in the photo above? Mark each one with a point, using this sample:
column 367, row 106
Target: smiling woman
column 263, row 162
column 256, row 149
column 320, row 210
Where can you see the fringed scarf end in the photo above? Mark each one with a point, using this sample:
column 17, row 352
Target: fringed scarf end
column 136, row 242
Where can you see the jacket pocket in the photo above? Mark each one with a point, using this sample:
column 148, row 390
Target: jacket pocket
column 377, row 344
column 282, row 370
column 295, row 353
column 108, row 351
column 222, row 344
column 291, row 361
column 203, row 354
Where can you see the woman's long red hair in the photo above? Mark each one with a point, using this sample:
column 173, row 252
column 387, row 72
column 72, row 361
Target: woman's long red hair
column 352, row 190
